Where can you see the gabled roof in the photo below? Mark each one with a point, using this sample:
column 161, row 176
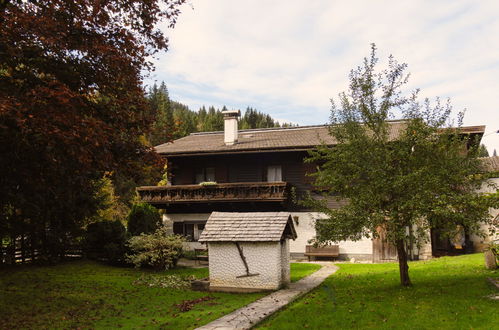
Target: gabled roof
column 248, row 227
column 268, row 139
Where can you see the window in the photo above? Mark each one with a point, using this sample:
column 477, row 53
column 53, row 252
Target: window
column 191, row 230
column 274, row 173
column 206, row 174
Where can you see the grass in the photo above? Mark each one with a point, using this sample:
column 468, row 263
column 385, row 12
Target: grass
column 300, row 270
column 447, row 293
column 86, row 294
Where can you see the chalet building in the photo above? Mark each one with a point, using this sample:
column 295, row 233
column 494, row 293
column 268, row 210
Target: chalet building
column 254, row 170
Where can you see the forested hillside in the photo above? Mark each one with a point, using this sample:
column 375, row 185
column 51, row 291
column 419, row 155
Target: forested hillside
column 175, row 120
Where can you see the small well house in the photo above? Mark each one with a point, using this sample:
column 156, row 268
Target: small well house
column 248, row 251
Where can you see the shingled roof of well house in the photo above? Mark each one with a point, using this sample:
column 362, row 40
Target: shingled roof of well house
column 254, row 140
column 248, row 227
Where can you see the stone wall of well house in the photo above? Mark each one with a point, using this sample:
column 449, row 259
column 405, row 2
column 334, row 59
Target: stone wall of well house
column 285, row 259
column 263, row 258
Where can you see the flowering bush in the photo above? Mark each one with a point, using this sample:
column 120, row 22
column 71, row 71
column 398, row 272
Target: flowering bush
column 159, row 249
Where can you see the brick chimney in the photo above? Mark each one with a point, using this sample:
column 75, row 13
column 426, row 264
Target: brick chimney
column 230, row 126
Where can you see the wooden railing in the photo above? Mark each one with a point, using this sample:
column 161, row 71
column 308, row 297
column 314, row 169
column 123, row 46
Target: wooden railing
column 222, row 192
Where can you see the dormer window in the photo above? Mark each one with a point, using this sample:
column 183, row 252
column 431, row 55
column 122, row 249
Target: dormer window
column 274, row 173
column 205, row 174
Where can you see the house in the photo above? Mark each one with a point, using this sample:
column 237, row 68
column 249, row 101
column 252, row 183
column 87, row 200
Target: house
column 255, row 170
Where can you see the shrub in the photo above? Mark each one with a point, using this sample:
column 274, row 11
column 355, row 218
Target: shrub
column 143, row 218
column 159, row 249
column 105, row 240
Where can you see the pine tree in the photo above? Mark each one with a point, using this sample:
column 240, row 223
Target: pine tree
column 164, row 126
column 482, row 151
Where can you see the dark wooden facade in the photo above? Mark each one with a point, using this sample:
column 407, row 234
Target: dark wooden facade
column 249, row 167
column 241, row 182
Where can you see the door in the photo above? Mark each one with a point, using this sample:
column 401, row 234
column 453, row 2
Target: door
column 383, row 250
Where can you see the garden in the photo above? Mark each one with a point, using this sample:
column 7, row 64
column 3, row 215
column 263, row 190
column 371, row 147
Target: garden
column 447, row 293
column 88, row 294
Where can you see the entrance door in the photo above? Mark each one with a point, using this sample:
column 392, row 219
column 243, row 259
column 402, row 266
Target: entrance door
column 382, row 250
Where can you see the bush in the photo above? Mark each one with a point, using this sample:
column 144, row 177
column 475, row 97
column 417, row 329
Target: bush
column 105, row 240
column 159, row 249
column 143, row 218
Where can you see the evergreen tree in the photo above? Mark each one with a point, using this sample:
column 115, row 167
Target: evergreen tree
column 482, row 151
column 163, row 128
column 175, row 120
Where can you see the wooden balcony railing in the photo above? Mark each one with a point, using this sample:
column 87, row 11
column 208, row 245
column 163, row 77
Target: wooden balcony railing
column 222, row 192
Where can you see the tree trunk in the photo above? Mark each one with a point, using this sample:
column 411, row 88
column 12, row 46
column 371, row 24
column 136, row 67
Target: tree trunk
column 403, row 266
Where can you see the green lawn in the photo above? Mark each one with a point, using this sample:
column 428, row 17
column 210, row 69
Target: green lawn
column 448, row 293
column 300, row 270
column 91, row 295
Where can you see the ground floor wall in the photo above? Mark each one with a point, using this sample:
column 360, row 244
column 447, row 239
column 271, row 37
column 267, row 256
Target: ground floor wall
column 305, row 229
column 304, row 223
column 196, row 219
column 481, row 242
column 363, row 250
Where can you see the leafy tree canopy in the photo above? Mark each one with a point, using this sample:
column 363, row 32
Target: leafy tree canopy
column 405, row 177
column 72, row 106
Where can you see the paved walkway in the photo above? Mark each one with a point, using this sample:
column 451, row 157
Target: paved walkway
column 249, row 315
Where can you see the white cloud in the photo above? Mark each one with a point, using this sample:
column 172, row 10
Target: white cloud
column 288, row 58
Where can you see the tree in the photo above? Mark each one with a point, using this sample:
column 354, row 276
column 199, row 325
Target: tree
column 164, row 126
column 72, row 107
column 143, row 219
column 494, row 154
column 482, row 151
column 404, row 180
column 105, row 240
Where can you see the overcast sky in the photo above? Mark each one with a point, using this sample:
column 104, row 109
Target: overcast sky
column 289, row 58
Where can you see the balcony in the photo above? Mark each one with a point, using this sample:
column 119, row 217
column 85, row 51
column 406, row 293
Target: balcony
column 222, row 192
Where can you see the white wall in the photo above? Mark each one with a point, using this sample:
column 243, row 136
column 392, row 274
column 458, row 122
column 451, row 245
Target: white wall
column 285, row 259
column 305, row 230
column 181, row 217
column 481, row 242
column 168, row 220
column 263, row 258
